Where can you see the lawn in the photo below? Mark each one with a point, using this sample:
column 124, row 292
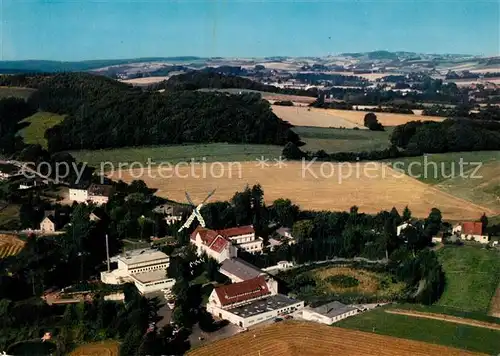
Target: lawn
column 440, row 167
column 9, row 217
column 433, row 331
column 213, row 152
column 342, row 140
column 472, row 276
column 38, row 124
column 16, row 92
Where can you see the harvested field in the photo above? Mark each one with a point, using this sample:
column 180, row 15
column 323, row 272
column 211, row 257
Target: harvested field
column 10, row 245
column 449, row 318
column 106, row 348
column 145, row 80
column 300, row 338
column 301, row 116
column 321, row 186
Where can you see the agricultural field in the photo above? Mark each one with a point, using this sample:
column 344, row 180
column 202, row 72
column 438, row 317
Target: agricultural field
column 106, row 348
column 9, row 217
column 333, row 140
column 472, row 276
column 344, row 282
column 301, row 116
column 466, row 337
column 213, row 152
column 479, row 185
column 289, row 338
column 38, row 123
column 319, row 186
column 17, row 92
column 10, row 245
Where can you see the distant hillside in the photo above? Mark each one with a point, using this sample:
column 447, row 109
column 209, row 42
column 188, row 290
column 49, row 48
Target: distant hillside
column 40, row 66
column 211, row 79
column 104, row 113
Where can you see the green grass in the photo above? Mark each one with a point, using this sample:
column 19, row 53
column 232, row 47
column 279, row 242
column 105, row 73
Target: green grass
column 333, row 140
column 38, row 124
column 438, row 309
column 437, row 168
column 432, row 331
column 221, row 152
column 16, row 92
column 9, row 217
column 472, row 276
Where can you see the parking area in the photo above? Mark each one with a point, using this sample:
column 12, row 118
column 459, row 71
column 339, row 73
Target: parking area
column 226, row 331
column 165, row 313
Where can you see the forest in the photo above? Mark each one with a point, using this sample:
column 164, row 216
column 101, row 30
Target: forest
column 103, row 113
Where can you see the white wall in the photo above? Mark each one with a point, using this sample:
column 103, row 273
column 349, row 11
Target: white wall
column 154, row 286
column 98, row 199
column 479, row 238
column 78, row 195
column 311, row 315
column 255, row 319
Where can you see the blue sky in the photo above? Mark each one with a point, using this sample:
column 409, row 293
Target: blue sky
column 105, row 29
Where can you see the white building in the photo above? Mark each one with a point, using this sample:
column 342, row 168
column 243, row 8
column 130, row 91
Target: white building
column 97, row 193
column 238, row 270
column 79, row 195
column 401, row 228
column 250, row 302
column 472, row 231
column 244, row 238
column 213, row 244
column 329, row 313
column 146, row 268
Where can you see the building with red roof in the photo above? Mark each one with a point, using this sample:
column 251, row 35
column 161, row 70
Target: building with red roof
column 223, row 244
column 250, row 302
column 471, row 230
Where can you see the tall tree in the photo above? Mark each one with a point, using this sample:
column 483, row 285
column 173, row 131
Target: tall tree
column 406, row 214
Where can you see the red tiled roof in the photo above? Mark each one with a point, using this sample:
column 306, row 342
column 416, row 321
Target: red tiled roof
column 242, row 291
column 472, row 228
column 210, row 238
column 207, row 236
column 237, row 231
column 218, row 244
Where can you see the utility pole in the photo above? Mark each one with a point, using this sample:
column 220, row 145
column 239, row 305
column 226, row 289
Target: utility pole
column 107, row 252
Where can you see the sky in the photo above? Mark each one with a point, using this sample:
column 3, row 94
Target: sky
column 71, row 30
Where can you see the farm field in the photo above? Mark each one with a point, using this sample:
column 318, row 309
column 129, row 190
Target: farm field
column 10, row 245
column 472, row 276
column 220, row 152
column 38, row 123
column 301, row 116
column 342, row 140
column 433, row 331
column 106, row 348
column 438, row 309
column 371, row 186
column 9, row 217
column 17, row 92
column 291, row 338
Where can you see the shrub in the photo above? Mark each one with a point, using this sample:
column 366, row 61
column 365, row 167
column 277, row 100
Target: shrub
column 343, row 281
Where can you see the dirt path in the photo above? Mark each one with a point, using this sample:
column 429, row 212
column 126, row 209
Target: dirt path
column 495, row 304
column 449, row 318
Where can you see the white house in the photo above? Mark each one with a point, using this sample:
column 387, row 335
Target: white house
column 146, row 268
column 213, row 244
column 250, row 302
column 400, row 228
column 329, row 313
column 78, row 194
column 244, row 238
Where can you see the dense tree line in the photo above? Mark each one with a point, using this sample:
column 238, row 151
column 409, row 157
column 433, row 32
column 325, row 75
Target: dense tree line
column 104, row 113
column 213, row 79
column 451, row 135
column 12, row 111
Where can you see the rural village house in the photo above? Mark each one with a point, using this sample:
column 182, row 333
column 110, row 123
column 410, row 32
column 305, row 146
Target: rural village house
column 223, row 244
column 471, row 230
column 53, row 222
column 95, row 193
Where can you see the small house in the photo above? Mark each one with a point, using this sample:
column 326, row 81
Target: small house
column 472, row 231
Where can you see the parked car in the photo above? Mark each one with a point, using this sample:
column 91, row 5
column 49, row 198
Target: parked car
column 277, row 320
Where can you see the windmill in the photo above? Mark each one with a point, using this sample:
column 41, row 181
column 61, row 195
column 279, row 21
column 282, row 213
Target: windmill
column 196, row 212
